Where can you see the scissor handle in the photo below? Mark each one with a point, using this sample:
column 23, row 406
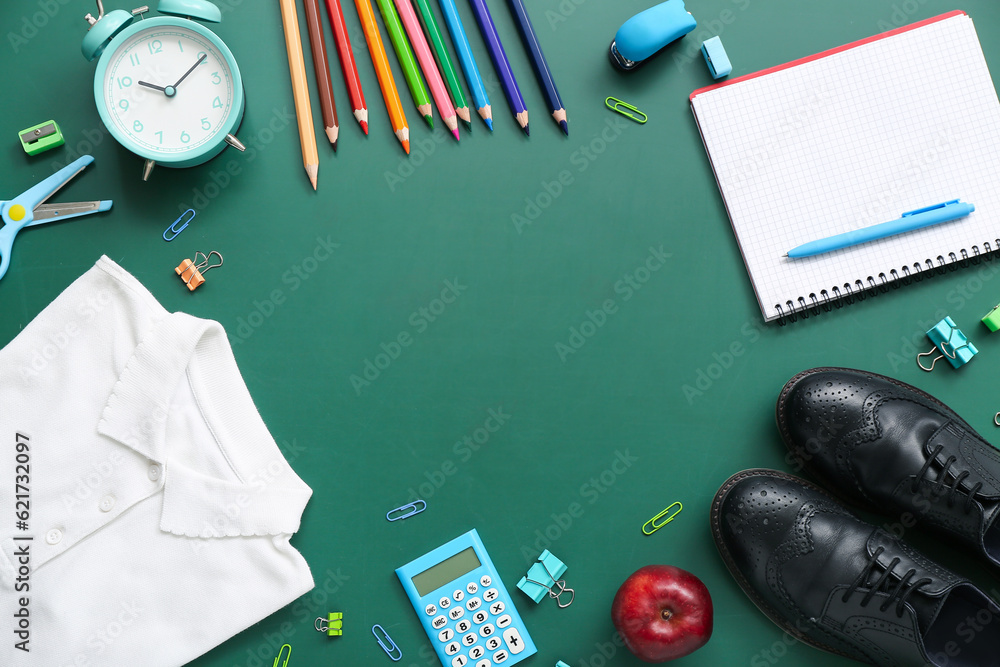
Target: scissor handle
column 5, row 247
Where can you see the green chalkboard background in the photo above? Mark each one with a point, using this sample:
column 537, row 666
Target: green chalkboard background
column 675, row 380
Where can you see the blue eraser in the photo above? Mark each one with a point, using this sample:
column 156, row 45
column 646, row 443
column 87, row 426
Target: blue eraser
column 715, row 56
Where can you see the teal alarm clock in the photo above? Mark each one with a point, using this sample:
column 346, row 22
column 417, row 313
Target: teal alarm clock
column 167, row 88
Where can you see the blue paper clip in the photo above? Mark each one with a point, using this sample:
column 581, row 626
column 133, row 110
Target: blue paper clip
column 392, row 648
column 407, row 510
column 173, row 228
column 952, row 344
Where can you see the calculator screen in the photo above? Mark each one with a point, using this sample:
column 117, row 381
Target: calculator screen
column 447, row 570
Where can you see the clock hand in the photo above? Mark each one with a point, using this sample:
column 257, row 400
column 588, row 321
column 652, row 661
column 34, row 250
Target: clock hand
column 203, row 56
column 149, row 85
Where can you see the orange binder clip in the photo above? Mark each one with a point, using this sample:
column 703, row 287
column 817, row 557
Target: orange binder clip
column 192, row 272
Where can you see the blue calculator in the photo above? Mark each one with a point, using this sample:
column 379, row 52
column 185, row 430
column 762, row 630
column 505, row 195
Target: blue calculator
column 464, row 607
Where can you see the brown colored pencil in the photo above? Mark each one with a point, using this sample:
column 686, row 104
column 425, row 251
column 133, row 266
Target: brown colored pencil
column 321, row 64
column 300, row 90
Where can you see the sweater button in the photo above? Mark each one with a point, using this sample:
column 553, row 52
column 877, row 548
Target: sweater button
column 107, row 502
column 154, row 472
column 53, row 536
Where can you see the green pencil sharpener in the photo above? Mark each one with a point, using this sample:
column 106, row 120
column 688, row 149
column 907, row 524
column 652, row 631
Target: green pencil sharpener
column 41, row 137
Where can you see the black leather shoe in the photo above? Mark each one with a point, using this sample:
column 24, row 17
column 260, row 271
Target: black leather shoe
column 890, row 448
column 842, row 585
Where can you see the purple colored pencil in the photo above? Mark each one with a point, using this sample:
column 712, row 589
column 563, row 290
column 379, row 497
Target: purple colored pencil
column 500, row 62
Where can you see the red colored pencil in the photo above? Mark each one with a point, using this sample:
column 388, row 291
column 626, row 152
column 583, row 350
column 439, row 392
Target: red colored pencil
column 347, row 64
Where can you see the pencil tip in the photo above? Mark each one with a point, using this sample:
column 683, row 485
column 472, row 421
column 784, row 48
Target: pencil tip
column 430, row 120
column 332, row 133
column 364, row 127
column 489, row 123
column 526, row 130
column 312, row 170
column 334, row 144
column 406, row 146
column 455, row 132
column 565, row 127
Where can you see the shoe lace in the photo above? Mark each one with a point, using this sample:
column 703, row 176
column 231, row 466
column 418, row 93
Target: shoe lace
column 953, row 489
column 904, row 589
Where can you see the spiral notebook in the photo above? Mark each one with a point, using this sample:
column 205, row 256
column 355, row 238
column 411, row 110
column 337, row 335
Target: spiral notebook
column 854, row 137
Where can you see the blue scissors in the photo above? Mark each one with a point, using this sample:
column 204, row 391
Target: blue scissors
column 29, row 208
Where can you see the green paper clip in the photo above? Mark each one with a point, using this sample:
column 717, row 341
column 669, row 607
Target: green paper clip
column 656, row 526
column 626, row 109
column 287, row 656
column 41, row 137
column 332, row 625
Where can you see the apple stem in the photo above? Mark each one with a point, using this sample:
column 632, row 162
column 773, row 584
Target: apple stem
column 666, row 614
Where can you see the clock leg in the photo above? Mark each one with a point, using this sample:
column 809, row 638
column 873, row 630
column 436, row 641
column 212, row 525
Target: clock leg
column 235, row 143
column 147, row 168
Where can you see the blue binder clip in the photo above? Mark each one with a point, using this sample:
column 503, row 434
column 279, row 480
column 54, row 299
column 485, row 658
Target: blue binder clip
column 649, row 31
column 715, row 56
column 951, row 343
column 543, row 578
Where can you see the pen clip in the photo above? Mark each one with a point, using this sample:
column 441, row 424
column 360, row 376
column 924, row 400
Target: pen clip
column 932, row 208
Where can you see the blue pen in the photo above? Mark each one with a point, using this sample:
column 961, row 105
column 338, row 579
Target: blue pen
column 468, row 61
column 924, row 217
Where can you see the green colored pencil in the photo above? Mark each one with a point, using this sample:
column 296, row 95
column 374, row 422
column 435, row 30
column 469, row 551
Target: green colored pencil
column 444, row 62
column 407, row 60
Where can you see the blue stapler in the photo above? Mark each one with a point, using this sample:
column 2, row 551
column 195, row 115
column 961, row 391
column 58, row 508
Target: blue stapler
column 649, row 31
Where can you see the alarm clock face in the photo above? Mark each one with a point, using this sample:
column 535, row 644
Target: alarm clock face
column 169, row 90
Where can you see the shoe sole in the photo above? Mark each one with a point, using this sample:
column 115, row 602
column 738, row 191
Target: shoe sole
column 779, row 412
column 764, row 607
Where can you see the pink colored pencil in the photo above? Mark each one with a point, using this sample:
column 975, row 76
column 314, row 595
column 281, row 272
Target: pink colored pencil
column 426, row 59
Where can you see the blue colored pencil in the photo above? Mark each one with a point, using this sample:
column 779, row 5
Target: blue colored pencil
column 540, row 66
column 500, row 62
column 468, row 61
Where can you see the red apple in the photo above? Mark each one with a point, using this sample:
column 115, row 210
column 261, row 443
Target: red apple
column 662, row 613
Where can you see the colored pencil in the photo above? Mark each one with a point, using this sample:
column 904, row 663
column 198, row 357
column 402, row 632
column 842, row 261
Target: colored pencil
column 541, row 67
column 407, row 61
column 300, row 90
column 433, row 33
column 347, row 64
column 427, row 64
column 385, row 81
column 327, row 104
column 467, row 60
column 500, row 63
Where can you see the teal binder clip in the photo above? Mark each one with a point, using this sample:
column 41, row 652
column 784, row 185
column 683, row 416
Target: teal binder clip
column 715, row 56
column 543, row 579
column 951, row 343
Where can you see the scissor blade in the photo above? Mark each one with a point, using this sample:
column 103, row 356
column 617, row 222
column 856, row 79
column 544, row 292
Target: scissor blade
column 53, row 212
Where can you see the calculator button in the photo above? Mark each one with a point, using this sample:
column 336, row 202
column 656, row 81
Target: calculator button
column 446, row 635
column 439, row 622
column 452, row 648
column 503, row 621
column 430, row 610
column 458, row 595
column 476, row 652
column 513, row 640
column 444, row 602
column 490, row 595
column 480, row 617
column 497, row 607
column 463, row 626
column 486, row 581
column 473, row 604
column 456, row 613
column 499, row 656
column 459, row 661
column 470, row 639
column 484, row 663
column 493, row 643
column 486, row 630
column 472, row 588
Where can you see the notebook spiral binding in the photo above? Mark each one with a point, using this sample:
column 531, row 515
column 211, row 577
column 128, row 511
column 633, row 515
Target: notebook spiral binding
column 859, row 290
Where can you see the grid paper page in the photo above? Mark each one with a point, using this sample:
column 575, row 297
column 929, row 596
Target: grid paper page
column 851, row 140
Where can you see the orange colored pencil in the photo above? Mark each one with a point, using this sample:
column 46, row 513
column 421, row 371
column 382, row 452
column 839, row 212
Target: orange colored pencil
column 385, row 81
column 300, row 90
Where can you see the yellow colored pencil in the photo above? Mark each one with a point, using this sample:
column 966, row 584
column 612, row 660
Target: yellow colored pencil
column 300, row 90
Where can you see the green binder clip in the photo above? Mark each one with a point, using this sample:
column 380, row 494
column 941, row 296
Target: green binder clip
column 332, row 625
column 543, row 578
column 952, row 344
column 41, row 137
column 992, row 319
